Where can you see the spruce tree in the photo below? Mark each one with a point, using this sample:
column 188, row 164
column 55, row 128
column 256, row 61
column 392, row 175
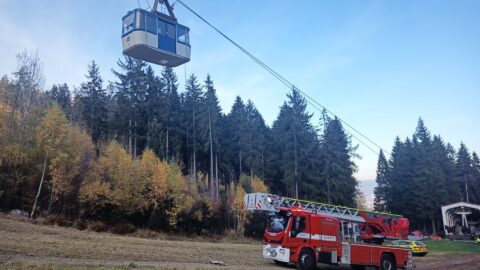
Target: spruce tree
column 237, row 136
column 339, row 165
column 61, row 95
column 151, row 111
column 128, row 118
column 401, row 175
column 210, row 116
column 192, row 102
column 381, row 190
column 297, row 148
column 422, row 181
column 93, row 98
column 475, row 178
column 463, row 172
column 172, row 116
column 257, row 141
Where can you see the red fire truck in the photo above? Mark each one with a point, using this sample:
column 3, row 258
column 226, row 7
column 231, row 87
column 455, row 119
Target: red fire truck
column 306, row 233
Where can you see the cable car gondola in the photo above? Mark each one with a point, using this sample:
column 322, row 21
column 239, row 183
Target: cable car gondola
column 156, row 37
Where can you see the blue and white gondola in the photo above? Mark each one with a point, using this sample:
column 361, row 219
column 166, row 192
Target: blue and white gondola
column 156, row 37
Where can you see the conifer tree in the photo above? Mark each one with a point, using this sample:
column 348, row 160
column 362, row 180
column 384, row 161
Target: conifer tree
column 210, row 116
column 422, row 179
column 381, row 190
column 400, row 176
column 153, row 110
column 192, row 103
column 129, row 100
column 237, row 136
column 464, row 170
column 297, row 147
column 172, row 116
column 475, row 178
column 339, row 165
column 61, row 95
column 257, row 141
column 93, row 97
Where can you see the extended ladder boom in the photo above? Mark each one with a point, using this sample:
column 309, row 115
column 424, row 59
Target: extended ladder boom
column 269, row 202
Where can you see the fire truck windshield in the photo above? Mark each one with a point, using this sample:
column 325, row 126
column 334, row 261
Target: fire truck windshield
column 277, row 222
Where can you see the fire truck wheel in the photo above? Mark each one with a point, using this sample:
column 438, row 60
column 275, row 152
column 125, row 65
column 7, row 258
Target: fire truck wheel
column 306, row 260
column 387, row 262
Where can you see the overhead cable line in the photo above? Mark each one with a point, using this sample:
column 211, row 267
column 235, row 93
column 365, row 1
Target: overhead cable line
column 287, row 83
column 148, row 3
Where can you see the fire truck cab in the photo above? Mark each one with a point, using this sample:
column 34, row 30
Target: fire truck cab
column 305, row 238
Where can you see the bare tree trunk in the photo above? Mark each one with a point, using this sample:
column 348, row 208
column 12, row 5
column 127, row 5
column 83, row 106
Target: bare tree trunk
column 466, row 189
column 166, row 144
column 135, row 142
column 210, row 176
column 39, row 187
column 250, row 150
column 263, row 163
column 328, row 191
column 324, row 118
column 434, row 230
column 295, row 162
column 130, row 136
column 240, row 159
column 148, row 132
column 216, row 176
column 50, row 202
column 194, row 149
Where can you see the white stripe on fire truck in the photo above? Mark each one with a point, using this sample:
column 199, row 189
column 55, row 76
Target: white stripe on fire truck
column 323, row 237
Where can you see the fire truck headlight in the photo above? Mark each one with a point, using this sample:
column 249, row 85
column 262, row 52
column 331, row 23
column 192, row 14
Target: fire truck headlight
column 269, row 200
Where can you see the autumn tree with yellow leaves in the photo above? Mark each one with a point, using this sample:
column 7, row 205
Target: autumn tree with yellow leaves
column 51, row 140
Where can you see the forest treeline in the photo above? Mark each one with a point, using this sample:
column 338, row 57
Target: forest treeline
column 423, row 174
column 146, row 150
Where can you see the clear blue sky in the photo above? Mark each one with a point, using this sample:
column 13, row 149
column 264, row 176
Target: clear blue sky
column 378, row 64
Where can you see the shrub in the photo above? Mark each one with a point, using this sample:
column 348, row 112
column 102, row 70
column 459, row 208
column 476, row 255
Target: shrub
column 63, row 222
column 123, row 228
column 80, row 225
column 98, row 226
column 49, row 220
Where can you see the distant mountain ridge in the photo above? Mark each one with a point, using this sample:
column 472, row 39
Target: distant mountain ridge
column 367, row 187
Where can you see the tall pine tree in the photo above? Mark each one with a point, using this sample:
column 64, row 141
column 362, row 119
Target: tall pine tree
column 93, row 98
column 339, row 165
column 130, row 96
column 192, row 102
column 381, row 190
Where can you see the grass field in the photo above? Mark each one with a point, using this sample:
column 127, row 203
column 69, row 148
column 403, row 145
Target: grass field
column 451, row 248
column 24, row 245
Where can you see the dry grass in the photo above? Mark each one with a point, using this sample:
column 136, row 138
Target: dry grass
column 24, row 245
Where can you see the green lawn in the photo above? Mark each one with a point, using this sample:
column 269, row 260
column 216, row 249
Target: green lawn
column 442, row 247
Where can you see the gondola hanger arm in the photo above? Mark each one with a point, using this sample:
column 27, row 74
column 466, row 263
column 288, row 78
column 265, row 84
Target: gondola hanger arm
column 167, row 4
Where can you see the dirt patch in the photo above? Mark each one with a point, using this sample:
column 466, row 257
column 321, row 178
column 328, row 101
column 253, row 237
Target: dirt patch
column 465, row 262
